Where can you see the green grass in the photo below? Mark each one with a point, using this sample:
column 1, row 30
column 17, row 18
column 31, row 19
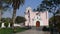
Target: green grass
column 20, row 29
column 10, row 30
column 6, row 31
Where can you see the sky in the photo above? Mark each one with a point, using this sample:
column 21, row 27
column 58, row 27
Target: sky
column 20, row 12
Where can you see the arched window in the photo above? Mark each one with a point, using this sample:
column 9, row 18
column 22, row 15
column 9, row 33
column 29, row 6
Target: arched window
column 28, row 14
column 28, row 11
column 36, row 13
column 37, row 17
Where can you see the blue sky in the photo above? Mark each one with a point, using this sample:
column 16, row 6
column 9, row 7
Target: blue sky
column 20, row 12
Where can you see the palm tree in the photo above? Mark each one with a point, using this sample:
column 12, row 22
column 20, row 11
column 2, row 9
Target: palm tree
column 16, row 4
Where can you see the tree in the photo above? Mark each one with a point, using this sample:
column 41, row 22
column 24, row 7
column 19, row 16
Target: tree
column 57, row 20
column 6, row 21
column 51, row 6
column 15, row 4
column 58, row 12
column 20, row 19
column 3, row 8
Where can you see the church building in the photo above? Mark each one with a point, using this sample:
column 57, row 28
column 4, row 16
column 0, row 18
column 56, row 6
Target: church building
column 36, row 18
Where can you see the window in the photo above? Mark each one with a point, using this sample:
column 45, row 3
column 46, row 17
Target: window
column 36, row 13
column 37, row 17
column 28, row 11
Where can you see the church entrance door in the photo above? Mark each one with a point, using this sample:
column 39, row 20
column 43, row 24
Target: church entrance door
column 37, row 24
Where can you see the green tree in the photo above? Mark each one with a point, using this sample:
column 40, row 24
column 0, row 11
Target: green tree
column 51, row 6
column 20, row 19
column 6, row 21
column 15, row 4
column 57, row 20
column 3, row 8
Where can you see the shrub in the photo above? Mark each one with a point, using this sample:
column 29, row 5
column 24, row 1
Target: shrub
column 45, row 28
column 6, row 24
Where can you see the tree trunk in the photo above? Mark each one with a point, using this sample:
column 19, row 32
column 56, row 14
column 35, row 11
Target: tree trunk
column 54, row 21
column 0, row 15
column 13, row 17
column 53, row 24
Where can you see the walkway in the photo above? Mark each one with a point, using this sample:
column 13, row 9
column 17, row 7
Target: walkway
column 33, row 31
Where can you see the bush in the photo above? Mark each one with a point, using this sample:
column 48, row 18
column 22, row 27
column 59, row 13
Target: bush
column 6, row 24
column 45, row 29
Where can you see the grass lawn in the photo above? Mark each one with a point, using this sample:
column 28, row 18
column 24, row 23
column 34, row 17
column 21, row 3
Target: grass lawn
column 18, row 29
column 10, row 31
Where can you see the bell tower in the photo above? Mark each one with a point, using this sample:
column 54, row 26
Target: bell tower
column 27, row 15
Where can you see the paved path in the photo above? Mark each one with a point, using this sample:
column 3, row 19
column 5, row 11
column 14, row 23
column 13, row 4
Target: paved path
column 33, row 32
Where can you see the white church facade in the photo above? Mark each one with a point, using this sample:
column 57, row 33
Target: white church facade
column 36, row 18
